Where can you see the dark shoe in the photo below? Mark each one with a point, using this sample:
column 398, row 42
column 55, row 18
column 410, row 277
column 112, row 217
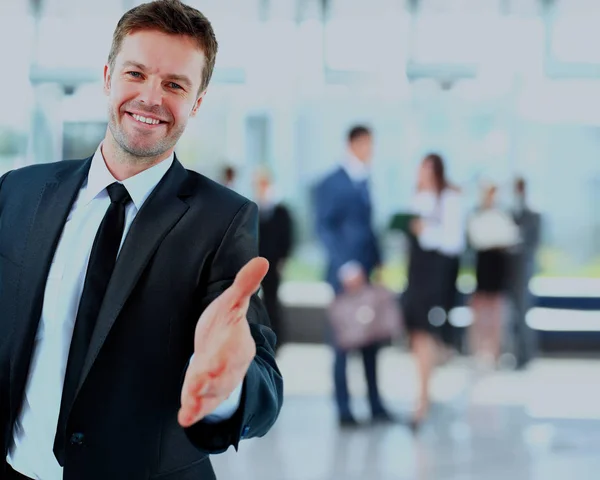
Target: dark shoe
column 383, row 417
column 348, row 422
column 419, row 417
column 522, row 364
column 415, row 425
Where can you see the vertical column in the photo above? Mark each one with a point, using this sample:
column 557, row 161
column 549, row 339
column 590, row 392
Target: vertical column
column 46, row 131
column 15, row 37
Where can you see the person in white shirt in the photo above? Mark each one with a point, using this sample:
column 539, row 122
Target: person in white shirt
column 435, row 247
column 492, row 233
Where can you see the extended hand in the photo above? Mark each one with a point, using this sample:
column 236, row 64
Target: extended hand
column 417, row 226
column 223, row 347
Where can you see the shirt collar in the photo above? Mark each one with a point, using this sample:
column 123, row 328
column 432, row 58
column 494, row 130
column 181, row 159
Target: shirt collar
column 139, row 186
column 357, row 170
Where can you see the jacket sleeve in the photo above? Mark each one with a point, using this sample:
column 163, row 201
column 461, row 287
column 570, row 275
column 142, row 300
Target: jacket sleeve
column 328, row 219
column 262, row 391
column 5, row 340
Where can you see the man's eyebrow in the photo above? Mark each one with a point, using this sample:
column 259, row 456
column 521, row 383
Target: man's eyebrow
column 172, row 76
column 139, row 66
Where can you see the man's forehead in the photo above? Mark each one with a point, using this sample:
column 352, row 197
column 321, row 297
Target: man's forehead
column 162, row 53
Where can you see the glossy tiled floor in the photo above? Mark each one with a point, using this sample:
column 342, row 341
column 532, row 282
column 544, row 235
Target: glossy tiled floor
column 543, row 424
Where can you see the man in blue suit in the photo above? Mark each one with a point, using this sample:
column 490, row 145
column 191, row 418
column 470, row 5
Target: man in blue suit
column 343, row 221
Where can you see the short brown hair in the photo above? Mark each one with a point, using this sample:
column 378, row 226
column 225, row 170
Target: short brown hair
column 174, row 18
column 358, row 131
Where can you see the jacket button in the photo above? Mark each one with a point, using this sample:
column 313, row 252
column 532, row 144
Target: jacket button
column 77, row 439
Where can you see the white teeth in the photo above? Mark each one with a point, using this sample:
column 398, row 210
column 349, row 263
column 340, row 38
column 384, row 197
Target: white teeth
column 149, row 121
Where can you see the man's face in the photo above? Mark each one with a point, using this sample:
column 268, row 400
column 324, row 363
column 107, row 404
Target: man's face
column 362, row 147
column 261, row 184
column 153, row 91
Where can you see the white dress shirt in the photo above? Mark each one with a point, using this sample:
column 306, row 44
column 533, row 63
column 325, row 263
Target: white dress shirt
column 357, row 170
column 493, row 228
column 444, row 221
column 32, row 451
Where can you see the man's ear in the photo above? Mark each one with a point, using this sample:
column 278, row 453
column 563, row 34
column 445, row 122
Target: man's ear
column 197, row 104
column 107, row 77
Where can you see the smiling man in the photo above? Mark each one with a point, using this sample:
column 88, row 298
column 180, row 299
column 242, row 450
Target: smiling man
column 132, row 344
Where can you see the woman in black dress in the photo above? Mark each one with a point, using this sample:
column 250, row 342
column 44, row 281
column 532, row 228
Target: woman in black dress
column 436, row 242
column 492, row 233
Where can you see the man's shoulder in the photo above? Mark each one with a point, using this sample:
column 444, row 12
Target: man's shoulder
column 332, row 177
column 41, row 172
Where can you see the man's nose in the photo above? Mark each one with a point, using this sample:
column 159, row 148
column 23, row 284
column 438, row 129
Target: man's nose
column 151, row 93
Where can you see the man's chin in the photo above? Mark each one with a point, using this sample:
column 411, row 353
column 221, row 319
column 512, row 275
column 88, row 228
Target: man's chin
column 143, row 151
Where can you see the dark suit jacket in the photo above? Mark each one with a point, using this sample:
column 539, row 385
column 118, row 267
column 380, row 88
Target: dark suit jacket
column 343, row 222
column 184, row 248
column 523, row 258
column 275, row 235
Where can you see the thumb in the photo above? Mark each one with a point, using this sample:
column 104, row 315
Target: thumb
column 248, row 279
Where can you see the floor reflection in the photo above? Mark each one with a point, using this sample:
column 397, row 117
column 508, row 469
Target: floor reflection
column 470, row 436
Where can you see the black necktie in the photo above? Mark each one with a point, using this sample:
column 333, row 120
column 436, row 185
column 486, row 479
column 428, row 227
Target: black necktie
column 100, row 267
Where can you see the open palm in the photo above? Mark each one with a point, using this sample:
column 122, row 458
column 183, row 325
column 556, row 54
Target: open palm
column 223, row 346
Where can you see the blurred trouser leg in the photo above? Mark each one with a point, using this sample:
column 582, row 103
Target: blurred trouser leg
column 369, row 355
column 270, row 288
column 525, row 337
column 341, row 384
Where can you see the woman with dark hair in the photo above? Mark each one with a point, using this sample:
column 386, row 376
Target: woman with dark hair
column 436, row 243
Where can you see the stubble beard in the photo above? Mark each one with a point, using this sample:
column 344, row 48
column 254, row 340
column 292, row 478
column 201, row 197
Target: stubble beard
column 131, row 154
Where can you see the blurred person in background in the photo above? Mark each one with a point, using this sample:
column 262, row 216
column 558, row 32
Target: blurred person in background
column 493, row 235
column 135, row 342
column 275, row 237
column 523, row 268
column 229, row 177
column 344, row 224
column 436, row 245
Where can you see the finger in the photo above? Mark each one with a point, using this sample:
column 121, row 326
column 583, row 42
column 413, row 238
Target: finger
column 199, row 379
column 249, row 278
column 190, row 416
column 193, row 400
column 217, row 384
column 196, row 405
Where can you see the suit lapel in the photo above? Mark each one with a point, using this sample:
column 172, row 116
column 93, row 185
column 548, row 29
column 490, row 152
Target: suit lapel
column 53, row 207
column 358, row 191
column 163, row 209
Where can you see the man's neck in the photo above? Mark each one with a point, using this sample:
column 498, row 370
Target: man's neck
column 356, row 169
column 122, row 165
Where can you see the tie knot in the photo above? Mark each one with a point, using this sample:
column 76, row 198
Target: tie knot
column 118, row 193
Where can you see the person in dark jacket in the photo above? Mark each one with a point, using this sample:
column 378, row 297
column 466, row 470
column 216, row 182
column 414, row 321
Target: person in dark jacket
column 275, row 235
column 523, row 268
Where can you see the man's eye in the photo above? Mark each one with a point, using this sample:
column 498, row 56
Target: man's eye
column 174, row 86
column 134, row 74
